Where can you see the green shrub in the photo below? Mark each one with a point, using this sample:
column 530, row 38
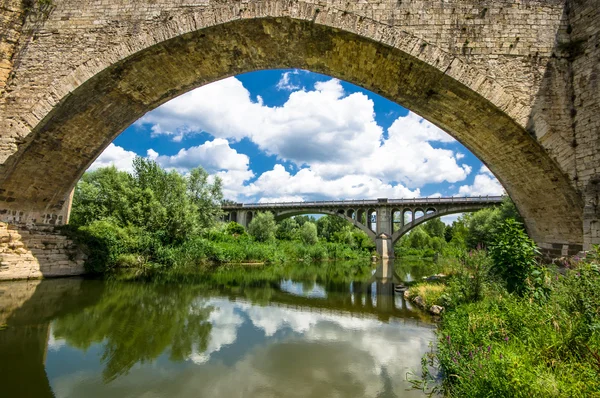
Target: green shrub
column 513, row 254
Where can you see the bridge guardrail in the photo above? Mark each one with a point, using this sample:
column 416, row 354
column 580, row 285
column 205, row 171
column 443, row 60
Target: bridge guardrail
column 374, row 202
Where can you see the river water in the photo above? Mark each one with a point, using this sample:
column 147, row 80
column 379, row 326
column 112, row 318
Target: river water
column 324, row 330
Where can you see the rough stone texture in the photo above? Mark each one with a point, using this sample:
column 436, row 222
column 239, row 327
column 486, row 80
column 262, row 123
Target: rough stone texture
column 12, row 17
column 514, row 81
column 584, row 48
column 34, row 254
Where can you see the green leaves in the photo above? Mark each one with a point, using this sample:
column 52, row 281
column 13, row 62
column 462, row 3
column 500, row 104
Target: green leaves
column 513, row 254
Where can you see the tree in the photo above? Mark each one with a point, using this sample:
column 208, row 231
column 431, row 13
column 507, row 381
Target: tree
column 206, row 196
column 435, row 228
column 263, row 227
column 308, row 233
column 287, row 229
column 328, row 226
column 101, row 194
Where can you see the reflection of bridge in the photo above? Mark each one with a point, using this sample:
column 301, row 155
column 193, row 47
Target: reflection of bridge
column 388, row 219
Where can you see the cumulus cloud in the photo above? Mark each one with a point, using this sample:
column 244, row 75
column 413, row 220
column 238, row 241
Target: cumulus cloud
column 116, row 156
column 325, row 128
column 213, row 156
column 330, row 136
column 306, row 184
column 484, row 184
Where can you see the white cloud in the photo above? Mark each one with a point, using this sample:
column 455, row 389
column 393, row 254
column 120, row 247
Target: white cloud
column 336, row 134
column 285, row 84
column 116, row 156
column 213, row 156
column 484, row 184
column 331, row 137
column 307, row 183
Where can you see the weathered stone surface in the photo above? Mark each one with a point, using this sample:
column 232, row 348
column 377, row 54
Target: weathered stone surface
column 27, row 254
column 515, row 82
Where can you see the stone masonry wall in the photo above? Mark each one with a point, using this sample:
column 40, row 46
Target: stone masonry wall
column 34, row 254
column 584, row 46
column 11, row 19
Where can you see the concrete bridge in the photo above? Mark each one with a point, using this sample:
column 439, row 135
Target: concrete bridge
column 383, row 220
column 516, row 82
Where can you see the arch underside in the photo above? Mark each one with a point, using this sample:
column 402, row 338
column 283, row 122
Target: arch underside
column 406, row 228
column 39, row 176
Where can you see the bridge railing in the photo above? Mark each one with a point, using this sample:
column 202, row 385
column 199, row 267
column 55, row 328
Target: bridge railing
column 371, row 202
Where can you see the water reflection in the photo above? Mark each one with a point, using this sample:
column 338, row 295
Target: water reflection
column 289, row 335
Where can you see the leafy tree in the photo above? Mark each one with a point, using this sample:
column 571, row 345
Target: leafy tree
column 328, row 226
column 287, row 229
column 345, row 236
column 418, row 238
column 435, row 228
column 100, row 194
column 263, row 227
column 302, row 219
column 308, row 233
column 206, row 196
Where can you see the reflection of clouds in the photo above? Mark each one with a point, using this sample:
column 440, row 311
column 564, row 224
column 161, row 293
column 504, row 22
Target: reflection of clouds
column 298, row 289
column 55, row 344
column 328, row 355
column 225, row 323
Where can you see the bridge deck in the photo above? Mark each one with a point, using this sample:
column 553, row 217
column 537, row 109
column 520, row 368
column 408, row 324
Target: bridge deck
column 369, row 202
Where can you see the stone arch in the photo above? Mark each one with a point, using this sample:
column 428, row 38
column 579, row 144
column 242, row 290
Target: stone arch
column 85, row 110
column 291, row 213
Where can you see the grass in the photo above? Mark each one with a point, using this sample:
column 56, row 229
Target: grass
column 431, row 293
column 507, row 345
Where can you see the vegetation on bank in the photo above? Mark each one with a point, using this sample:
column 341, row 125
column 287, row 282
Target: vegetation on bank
column 512, row 326
column 156, row 219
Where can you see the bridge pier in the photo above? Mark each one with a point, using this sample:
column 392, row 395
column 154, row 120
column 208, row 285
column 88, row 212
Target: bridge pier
column 385, row 246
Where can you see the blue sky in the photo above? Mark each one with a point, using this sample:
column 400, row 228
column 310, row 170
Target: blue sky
column 281, row 135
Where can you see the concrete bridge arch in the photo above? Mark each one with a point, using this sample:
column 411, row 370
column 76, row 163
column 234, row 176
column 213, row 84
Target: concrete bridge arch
column 79, row 75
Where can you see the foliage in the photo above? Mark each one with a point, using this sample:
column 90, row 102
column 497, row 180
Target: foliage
column 234, row 228
column 435, row 228
column 513, row 254
column 263, row 227
column 287, row 229
column 508, row 346
column 308, row 234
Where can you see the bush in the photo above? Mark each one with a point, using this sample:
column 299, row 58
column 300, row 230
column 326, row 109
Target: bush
column 513, row 254
column 263, row 227
column 234, row 228
column 308, row 234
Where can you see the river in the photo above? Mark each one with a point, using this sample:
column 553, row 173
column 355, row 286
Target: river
column 302, row 330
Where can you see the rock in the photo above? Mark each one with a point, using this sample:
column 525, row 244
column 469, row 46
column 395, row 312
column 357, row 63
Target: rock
column 406, row 294
column 419, row 301
column 436, row 309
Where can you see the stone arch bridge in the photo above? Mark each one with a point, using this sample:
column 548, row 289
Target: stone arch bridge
column 515, row 81
column 383, row 220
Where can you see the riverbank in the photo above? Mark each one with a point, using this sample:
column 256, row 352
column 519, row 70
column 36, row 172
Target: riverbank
column 544, row 343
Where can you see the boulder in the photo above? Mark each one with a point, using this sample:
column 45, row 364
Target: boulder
column 436, row 309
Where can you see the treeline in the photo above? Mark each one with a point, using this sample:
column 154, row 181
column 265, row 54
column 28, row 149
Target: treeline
column 469, row 232
column 153, row 218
